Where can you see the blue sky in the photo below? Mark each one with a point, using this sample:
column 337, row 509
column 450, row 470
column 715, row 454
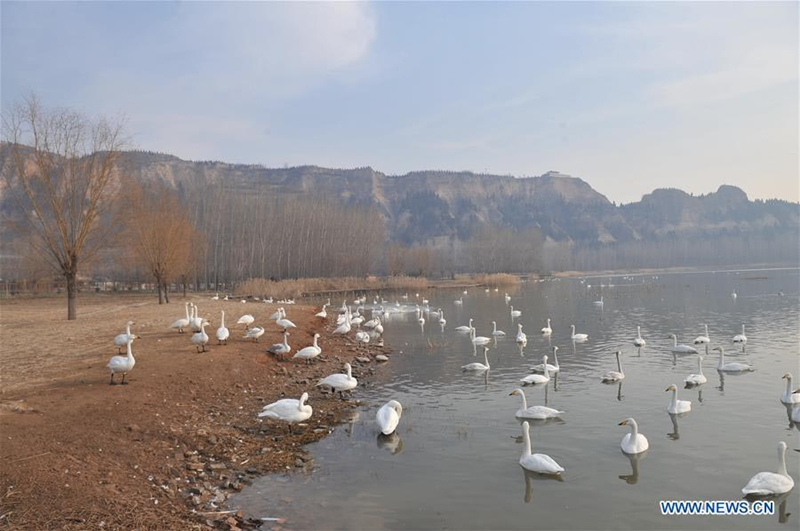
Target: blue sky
column 628, row 96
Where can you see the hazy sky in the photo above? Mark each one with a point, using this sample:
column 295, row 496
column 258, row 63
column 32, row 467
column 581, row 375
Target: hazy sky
column 628, row 96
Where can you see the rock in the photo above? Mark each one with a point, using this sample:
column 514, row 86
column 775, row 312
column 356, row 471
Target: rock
column 299, row 462
column 252, row 470
column 194, row 466
column 381, row 357
column 133, row 427
column 362, row 359
column 217, row 466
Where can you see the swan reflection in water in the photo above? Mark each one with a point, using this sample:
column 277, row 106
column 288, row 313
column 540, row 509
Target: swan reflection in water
column 530, row 477
column 633, row 477
column 674, row 435
column 619, row 388
column 349, row 420
column 392, row 443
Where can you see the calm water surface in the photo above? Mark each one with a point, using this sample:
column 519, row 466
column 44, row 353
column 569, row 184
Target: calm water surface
column 454, row 461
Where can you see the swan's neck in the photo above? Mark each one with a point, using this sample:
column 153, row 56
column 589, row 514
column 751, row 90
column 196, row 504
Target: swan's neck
column 302, row 403
column 186, row 308
column 286, row 338
column 222, row 321
column 674, row 402
column 782, row 462
column 315, row 342
column 789, row 389
column 349, row 372
column 742, row 329
column 494, row 327
column 524, row 401
column 555, row 357
column 705, row 327
column 721, row 358
column 639, row 332
column 700, row 366
column 546, row 372
column 485, row 357
column 130, row 351
column 548, row 323
column 674, row 341
column 526, row 437
column 634, row 430
column 128, row 329
column 619, row 363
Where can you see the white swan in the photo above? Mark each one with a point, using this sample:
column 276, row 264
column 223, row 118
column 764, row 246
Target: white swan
column 215, row 297
column 796, row 409
column 730, row 367
column 740, row 338
column 541, row 463
column 680, row 349
column 388, row 416
column 340, row 382
column 279, row 349
column 180, row 324
column 703, row 340
column 639, row 342
column 546, row 331
column 345, row 327
column 521, row 336
column 310, row 352
column 442, row 320
column 699, row 378
column 515, row 313
column 550, row 368
column 322, row 313
column 478, row 340
column 634, row 442
column 276, row 315
column 199, row 339
column 465, row 328
column 246, row 320
column 460, row 300
column 535, row 379
column 507, row 298
column 283, row 322
column 769, row 483
column 600, row 302
column 615, row 376
column 288, row 410
column 789, row 397
column 677, row 406
column 578, row 337
column 122, row 339
column 195, row 321
column 254, row 333
column 122, row 364
column 222, row 333
column 478, row 366
column 495, row 331
column 534, row 412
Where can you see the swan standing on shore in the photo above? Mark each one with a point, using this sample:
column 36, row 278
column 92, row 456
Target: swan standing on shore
column 699, row 378
column 122, row 364
column 541, row 463
column 310, row 352
column 289, row 410
column 677, row 406
column 615, row 376
column 769, row 483
column 322, row 313
column 254, row 333
column 639, row 342
column 521, row 336
column 388, row 416
column 282, row 348
column 634, row 442
column 182, row 323
column 477, row 366
column 550, row 368
column 731, row 367
column 789, row 397
column 535, row 379
column 534, row 412
column 199, row 339
column 246, row 320
column 283, row 322
column 546, row 331
column 195, row 321
column 340, row 382
column 495, row 331
column 122, row 339
column 222, row 333
column 680, row 349
column 578, row 337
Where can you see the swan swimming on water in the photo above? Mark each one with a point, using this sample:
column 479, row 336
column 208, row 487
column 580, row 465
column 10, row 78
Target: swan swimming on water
column 703, row 340
column 769, row 483
column 546, row 331
column 521, row 336
column 740, row 338
column 515, row 313
column 535, row 379
column 541, row 463
column 731, row 367
column 699, row 378
column 495, row 331
column 550, row 368
column 388, row 416
column 122, row 364
column 680, row 349
column 479, row 340
column 615, row 376
column 634, row 442
column 465, row 328
column 534, row 412
column 478, row 366
column 639, row 342
column 789, row 397
column 677, row 406
column 578, row 337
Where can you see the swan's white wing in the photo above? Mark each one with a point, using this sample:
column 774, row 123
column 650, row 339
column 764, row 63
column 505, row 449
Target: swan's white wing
column 281, row 409
column 766, row 483
column 542, row 463
column 535, row 379
column 222, row 333
column 539, row 413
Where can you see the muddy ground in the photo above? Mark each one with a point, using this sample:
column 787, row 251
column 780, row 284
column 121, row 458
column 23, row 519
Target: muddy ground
column 166, row 450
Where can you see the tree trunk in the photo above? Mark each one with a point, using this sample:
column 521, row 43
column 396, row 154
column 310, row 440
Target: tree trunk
column 166, row 293
column 72, row 295
column 160, row 293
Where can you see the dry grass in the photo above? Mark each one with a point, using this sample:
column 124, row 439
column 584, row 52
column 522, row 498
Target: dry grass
column 304, row 286
column 496, row 279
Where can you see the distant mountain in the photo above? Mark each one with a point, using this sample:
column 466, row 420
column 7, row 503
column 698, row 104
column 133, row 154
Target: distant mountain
column 424, row 205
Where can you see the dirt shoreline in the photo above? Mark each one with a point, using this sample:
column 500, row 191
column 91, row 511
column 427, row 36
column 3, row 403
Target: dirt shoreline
column 166, row 450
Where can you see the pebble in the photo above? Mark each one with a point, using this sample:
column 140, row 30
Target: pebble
column 381, row 357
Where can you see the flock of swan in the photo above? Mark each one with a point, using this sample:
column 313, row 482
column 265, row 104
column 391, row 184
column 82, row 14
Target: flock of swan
column 292, row 411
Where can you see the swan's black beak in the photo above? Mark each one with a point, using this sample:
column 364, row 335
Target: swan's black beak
column 668, row 389
column 622, row 423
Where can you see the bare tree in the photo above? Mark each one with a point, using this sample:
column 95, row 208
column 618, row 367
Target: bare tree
column 61, row 171
column 161, row 233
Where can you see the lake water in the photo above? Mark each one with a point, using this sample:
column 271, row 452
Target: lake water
column 454, row 461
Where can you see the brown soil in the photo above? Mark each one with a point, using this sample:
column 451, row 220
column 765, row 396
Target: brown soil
column 164, row 451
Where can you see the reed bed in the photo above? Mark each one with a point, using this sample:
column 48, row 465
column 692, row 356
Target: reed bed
column 496, row 279
column 282, row 289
